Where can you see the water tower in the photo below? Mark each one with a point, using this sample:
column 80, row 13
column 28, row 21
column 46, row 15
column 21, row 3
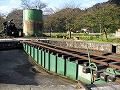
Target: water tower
column 32, row 22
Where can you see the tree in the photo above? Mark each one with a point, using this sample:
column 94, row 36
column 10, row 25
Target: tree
column 33, row 4
column 17, row 16
column 117, row 2
column 103, row 18
column 63, row 20
column 108, row 19
column 1, row 21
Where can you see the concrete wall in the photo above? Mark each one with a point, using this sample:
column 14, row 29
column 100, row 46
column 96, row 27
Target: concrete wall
column 106, row 47
column 10, row 44
column 118, row 49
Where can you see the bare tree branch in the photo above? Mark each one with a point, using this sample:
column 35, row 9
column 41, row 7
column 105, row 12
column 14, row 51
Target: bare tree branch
column 49, row 11
column 30, row 4
column 25, row 4
column 39, row 4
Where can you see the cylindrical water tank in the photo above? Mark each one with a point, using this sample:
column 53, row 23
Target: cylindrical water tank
column 32, row 22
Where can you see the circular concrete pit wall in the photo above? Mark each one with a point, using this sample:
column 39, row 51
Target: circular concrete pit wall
column 118, row 49
column 100, row 46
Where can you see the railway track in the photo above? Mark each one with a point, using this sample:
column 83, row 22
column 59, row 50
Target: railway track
column 103, row 60
column 103, row 63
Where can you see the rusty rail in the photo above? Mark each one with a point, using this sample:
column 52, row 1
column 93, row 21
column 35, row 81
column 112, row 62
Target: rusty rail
column 76, row 54
column 105, row 57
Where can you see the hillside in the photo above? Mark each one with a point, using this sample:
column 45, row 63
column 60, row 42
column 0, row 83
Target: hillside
column 117, row 2
column 104, row 5
column 67, row 18
column 1, row 21
column 17, row 16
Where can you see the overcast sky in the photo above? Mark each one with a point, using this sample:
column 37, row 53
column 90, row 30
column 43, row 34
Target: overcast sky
column 7, row 6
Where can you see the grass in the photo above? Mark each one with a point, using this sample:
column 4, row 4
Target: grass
column 86, row 37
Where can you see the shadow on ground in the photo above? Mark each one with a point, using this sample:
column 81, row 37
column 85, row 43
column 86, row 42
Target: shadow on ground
column 15, row 68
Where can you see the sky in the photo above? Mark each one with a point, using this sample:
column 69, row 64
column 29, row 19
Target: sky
column 6, row 6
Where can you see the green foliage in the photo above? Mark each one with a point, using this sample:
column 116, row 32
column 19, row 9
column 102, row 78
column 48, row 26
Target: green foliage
column 86, row 37
column 115, row 1
column 63, row 20
column 1, row 21
column 101, row 18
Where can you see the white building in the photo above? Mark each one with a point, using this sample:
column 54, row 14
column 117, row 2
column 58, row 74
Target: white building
column 86, row 29
column 117, row 33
